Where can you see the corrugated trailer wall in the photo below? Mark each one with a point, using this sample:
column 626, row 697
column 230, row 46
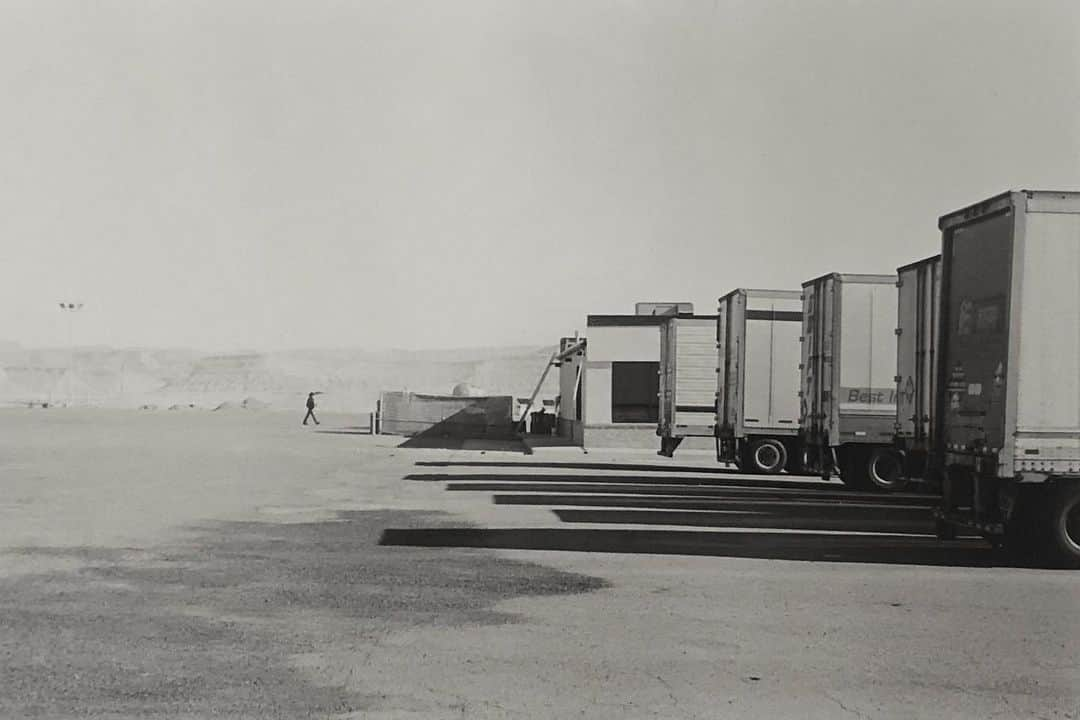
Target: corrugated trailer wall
column 687, row 377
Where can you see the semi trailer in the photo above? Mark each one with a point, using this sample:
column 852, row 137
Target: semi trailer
column 847, row 394
column 687, row 380
column 918, row 299
column 1006, row 435
column 757, row 380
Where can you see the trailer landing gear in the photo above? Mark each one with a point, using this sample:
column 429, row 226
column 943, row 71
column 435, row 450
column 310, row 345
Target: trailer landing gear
column 668, row 445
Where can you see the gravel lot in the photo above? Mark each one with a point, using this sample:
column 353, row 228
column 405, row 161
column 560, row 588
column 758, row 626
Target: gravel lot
column 192, row 564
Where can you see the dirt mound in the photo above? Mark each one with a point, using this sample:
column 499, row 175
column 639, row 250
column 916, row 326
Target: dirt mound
column 248, row 403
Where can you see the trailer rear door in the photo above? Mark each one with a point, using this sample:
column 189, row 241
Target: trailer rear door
column 975, row 356
column 771, row 400
column 695, row 374
column 668, row 360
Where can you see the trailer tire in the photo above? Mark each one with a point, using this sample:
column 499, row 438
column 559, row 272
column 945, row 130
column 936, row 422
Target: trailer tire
column 794, row 465
column 1064, row 526
column 765, row 456
column 885, row 469
column 854, row 468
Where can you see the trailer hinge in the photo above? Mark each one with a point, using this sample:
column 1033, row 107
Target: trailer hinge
column 899, row 331
column 896, row 378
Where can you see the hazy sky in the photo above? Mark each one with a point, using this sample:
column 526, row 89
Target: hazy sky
column 227, row 175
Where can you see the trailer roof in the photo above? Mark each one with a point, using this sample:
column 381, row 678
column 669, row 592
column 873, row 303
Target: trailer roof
column 855, row 278
column 1042, row 200
column 636, row 320
column 758, row 292
column 917, row 263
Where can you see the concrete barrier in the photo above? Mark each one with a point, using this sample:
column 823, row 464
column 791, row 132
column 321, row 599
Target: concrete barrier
column 412, row 414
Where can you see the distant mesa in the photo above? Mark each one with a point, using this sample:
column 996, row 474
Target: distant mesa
column 248, row 403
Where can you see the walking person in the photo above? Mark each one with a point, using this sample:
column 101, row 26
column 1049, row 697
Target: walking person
column 311, row 408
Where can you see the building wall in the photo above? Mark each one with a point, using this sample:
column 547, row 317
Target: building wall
column 641, row 436
column 627, row 343
column 568, row 372
column 405, row 413
column 609, row 344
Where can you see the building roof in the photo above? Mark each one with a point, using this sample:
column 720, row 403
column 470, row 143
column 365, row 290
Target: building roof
column 636, row 320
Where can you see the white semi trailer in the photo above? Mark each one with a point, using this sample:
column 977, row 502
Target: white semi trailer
column 757, row 380
column 1007, row 433
column 687, row 380
column 918, row 323
column 848, row 374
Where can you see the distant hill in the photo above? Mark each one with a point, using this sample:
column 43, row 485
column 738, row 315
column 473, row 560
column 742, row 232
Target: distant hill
column 350, row 378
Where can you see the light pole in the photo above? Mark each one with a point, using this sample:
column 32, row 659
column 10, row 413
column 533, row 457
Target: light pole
column 69, row 309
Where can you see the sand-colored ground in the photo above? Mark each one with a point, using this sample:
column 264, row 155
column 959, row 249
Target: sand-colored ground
column 235, row 564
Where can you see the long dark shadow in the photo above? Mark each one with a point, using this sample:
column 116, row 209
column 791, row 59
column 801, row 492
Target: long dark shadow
column 781, row 546
column 742, row 505
column 851, row 523
column 631, row 467
column 452, row 433
column 730, row 482
column 701, row 491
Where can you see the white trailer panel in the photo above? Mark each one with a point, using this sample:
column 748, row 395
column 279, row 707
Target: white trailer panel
column 848, row 382
column 758, row 362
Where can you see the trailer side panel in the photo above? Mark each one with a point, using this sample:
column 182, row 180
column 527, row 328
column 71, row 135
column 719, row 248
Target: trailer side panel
column 1047, row 434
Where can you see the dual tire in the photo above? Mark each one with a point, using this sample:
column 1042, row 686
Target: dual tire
column 1065, row 524
column 764, row 456
column 879, row 469
column 1045, row 526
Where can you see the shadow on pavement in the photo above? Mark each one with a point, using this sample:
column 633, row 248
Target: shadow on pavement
column 346, row 431
column 766, row 545
column 632, row 467
column 668, row 485
column 889, row 523
column 789, row 505
column 734, row 516
column 624, row 479
column 439, row 442
column 835, row 496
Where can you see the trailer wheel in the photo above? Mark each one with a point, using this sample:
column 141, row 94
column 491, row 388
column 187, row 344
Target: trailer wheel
column 854, row 467
column 1065, row 524
column 765, row 456
column 886, row 470
column 794, row 465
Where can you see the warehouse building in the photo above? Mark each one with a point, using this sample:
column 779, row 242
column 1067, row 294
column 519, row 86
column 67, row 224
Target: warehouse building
column 609, row 382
